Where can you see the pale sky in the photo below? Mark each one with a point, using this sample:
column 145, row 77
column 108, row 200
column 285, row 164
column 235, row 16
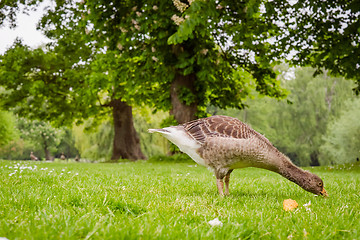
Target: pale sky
column 26, row 30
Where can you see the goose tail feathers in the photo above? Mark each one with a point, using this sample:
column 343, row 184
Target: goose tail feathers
column 159, row 130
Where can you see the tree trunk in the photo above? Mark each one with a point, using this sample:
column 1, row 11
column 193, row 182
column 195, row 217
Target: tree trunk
column 182, row 112
column 47, row 154
column 126, row 142
column 46, row 149
column 314, row 157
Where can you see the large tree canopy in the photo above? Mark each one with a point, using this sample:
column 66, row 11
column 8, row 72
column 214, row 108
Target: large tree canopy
column 9, row 10
column 111, row 55
column 323, row 34
column 182, row 56
column 195, row 48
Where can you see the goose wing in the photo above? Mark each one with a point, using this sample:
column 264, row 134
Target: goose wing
column 220, row 126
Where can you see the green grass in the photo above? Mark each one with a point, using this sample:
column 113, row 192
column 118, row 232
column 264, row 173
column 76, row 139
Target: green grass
column 150, row 200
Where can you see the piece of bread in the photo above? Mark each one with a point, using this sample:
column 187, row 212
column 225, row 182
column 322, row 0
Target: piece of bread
column 290, row 204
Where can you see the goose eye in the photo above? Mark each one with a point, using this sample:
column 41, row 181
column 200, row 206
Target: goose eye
column 320, row 184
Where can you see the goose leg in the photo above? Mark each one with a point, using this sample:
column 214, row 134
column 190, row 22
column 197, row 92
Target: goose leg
column 227, row 180
column 220, row 174
column 220, row 186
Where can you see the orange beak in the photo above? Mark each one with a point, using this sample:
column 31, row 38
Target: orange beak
column 324, row 193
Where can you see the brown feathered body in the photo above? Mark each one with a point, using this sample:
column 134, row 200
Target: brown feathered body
column 224, row 143
column 33, row 157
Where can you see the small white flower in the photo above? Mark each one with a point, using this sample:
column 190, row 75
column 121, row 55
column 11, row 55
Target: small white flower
column 219, row 7
column 69, row 171
column 215, row 222
column 177, row 20
column 76, row 174
column 204, row 51
column 119, row 46
column 180, row 5
column 123, row 187
column 123, row 30
column 307, row 206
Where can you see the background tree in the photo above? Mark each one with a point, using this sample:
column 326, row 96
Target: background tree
column 342, row 141
column 67, row 145
column 54, row 85
column 108, row 56
column 297, row 129
column 301, row 125
column 7, row 128
column 121, row 48
column 41, row 133
column 325, row 35
column 94, row 145
column 186, row 43
column 38, row 137
column 9, row 10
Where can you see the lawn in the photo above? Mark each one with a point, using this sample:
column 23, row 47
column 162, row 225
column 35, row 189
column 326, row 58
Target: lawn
column 170, row 200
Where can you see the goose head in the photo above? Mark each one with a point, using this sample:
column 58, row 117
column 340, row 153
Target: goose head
column 312, row 183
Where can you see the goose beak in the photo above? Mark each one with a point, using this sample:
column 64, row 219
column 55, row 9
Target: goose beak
column 324, row 193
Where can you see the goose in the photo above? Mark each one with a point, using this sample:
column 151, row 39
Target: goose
column 224, row 143
column 62, row 157
column 33, row 157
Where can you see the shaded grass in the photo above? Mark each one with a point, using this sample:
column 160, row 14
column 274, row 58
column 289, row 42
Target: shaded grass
column 150, row 200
